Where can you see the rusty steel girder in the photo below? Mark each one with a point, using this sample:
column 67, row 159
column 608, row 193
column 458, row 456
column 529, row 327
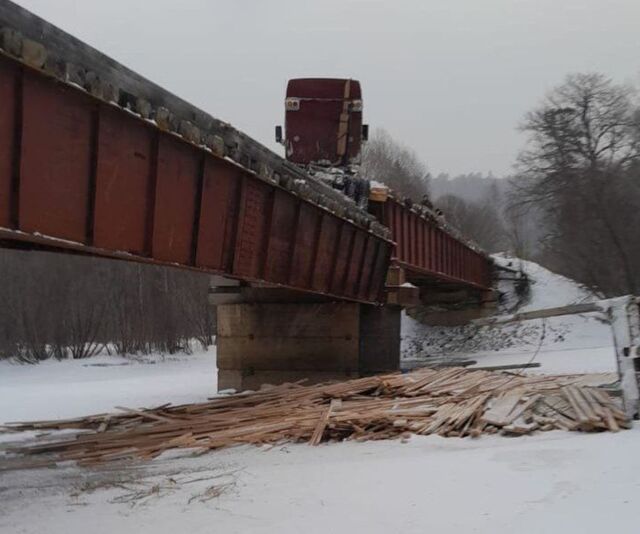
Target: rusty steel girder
column 78, row 173
column 427, row 250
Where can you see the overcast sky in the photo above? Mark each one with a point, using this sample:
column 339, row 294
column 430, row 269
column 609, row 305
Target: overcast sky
column 450, row 78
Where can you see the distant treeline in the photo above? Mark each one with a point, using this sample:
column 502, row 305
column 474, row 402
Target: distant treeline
column 61, row 306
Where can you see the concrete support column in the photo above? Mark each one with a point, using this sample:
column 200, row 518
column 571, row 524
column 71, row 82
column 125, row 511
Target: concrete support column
column 283, row 342
column 379, row 339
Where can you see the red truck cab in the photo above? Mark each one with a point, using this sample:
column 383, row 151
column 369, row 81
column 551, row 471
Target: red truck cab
column 323, row 122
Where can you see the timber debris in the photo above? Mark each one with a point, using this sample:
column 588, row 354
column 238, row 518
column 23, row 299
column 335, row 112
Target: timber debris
column 452, row 402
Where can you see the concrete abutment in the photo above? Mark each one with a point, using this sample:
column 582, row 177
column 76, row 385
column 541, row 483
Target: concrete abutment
column 274, row 342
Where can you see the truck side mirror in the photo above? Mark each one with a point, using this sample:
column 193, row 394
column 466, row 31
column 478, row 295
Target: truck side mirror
column 279, row 135
column 365, row 132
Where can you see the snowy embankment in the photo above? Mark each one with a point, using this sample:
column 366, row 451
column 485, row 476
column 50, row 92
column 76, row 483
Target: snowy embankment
column 569, row 344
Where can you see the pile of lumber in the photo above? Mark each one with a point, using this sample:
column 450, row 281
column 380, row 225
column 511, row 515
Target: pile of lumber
column 448, row 402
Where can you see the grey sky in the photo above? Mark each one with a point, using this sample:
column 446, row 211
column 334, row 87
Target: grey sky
column 449, row 78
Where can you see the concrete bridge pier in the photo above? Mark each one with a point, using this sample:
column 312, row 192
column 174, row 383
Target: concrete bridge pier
column 275, row 342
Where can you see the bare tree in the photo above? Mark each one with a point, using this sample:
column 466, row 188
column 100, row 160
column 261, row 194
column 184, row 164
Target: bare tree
column 580, row 170
column 387, row 161
column 480, row 221
column 524, row 228
column 58, row 305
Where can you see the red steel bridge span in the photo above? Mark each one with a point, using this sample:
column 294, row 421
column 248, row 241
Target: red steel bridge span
column 80, row 174
column 94, row 159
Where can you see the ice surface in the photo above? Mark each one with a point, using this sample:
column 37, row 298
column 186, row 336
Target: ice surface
column 71, row 388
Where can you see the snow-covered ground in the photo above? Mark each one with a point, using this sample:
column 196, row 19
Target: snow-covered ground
column 548, row 289
column 556, row 482
column 551, row 482
column 573, row 344
column 570, row 344
column 71, row 388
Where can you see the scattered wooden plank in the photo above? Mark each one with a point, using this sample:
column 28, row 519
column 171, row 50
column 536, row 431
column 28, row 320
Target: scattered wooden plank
column 520, row 409
column 499, row 411
column 452, row 402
